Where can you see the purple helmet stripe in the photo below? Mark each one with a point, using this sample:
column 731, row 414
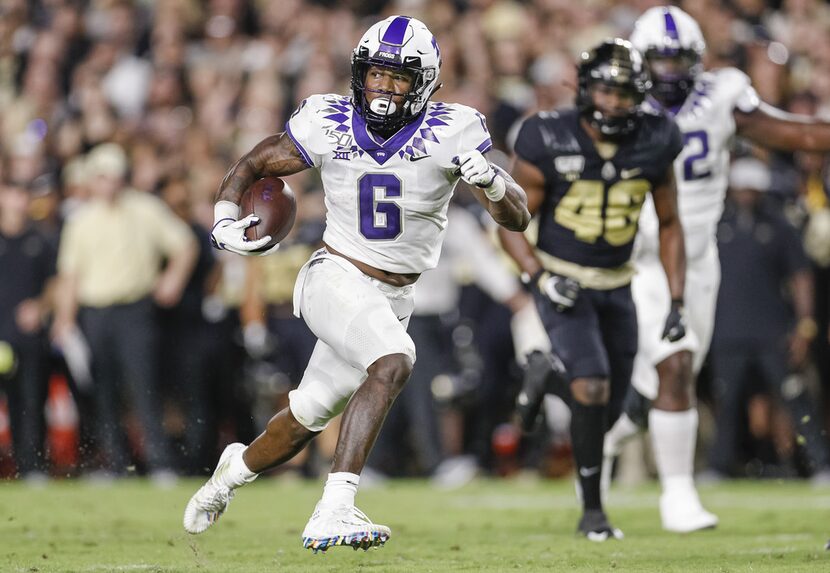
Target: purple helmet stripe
column 671, row 26
column 396, row 31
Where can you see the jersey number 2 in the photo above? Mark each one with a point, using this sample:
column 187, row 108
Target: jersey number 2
column 698, row 143
column 580, row 210
column 380, row 219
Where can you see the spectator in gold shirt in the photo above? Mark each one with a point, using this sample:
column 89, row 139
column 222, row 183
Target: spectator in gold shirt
column 121, row 255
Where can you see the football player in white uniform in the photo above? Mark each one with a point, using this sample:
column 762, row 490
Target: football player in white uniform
column 710, row 107
column 389, row 160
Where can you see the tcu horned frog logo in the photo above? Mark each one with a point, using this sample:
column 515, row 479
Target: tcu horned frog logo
column 268, row 192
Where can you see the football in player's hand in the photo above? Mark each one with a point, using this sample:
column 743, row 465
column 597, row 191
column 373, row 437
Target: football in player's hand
column 273, row 202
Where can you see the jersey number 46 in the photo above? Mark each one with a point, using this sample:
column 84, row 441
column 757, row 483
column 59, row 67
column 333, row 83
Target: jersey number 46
column 591, row 213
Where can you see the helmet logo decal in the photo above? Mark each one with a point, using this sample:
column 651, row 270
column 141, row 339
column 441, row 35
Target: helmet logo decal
column 387, row 52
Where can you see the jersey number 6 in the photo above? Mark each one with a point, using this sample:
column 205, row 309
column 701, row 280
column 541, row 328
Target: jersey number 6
column 380, row 219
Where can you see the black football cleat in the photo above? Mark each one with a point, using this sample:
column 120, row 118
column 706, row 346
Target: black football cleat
column 544, row 374
column 595, row 526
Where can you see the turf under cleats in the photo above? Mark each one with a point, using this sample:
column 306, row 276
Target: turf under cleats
column 342, row 525
column 209, row 503
column 594, row 525
column 682, row 512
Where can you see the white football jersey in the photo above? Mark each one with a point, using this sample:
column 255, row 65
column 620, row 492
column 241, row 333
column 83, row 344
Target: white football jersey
column 702, row 169
column 386, row 201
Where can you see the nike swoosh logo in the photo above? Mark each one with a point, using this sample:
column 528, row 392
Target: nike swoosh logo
column 629, row 173
column 588, row 472
column 419, row 158
column 401, row 318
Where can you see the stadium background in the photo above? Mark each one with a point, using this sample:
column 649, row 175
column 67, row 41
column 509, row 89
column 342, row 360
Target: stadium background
column 186, row 87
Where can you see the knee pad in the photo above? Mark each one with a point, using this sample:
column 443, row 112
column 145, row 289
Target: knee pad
column 310, row 413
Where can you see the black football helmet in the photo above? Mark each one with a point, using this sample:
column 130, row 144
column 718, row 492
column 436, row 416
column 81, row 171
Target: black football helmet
column 617, row 64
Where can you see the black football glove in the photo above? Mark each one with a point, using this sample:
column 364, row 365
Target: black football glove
column 675, row 328
column 563, row 292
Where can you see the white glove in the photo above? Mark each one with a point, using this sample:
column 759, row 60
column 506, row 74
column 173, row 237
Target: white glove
column 476, row 170
column 229, row 234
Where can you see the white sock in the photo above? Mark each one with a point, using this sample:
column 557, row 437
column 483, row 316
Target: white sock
column 623, row 430
column 237, row 473
column 340, row 489
column 673, row 438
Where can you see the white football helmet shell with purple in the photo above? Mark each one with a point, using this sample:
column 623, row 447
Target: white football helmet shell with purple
column 397, row 42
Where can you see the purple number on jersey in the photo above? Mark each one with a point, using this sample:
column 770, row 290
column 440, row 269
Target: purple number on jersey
column 688, row 163
column 379, row 220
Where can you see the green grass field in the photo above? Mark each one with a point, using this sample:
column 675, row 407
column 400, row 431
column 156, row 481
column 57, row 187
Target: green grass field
column 490, row 525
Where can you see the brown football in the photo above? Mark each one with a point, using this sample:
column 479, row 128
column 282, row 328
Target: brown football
column 273, row 202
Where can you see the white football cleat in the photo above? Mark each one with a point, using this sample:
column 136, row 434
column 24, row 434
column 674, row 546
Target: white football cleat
column 210, row 502
column 330, row 526
column 682, row 512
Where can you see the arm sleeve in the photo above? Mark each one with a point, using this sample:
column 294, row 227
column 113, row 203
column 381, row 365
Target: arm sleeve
column 303, row 129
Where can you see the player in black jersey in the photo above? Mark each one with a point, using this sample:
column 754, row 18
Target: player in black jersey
column 587, row 171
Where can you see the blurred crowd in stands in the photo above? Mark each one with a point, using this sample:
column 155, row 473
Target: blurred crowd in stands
column 128, row 345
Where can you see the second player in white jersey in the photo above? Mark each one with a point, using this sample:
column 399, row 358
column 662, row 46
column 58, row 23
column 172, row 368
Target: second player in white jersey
column 706, row 120
column 386, row 200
